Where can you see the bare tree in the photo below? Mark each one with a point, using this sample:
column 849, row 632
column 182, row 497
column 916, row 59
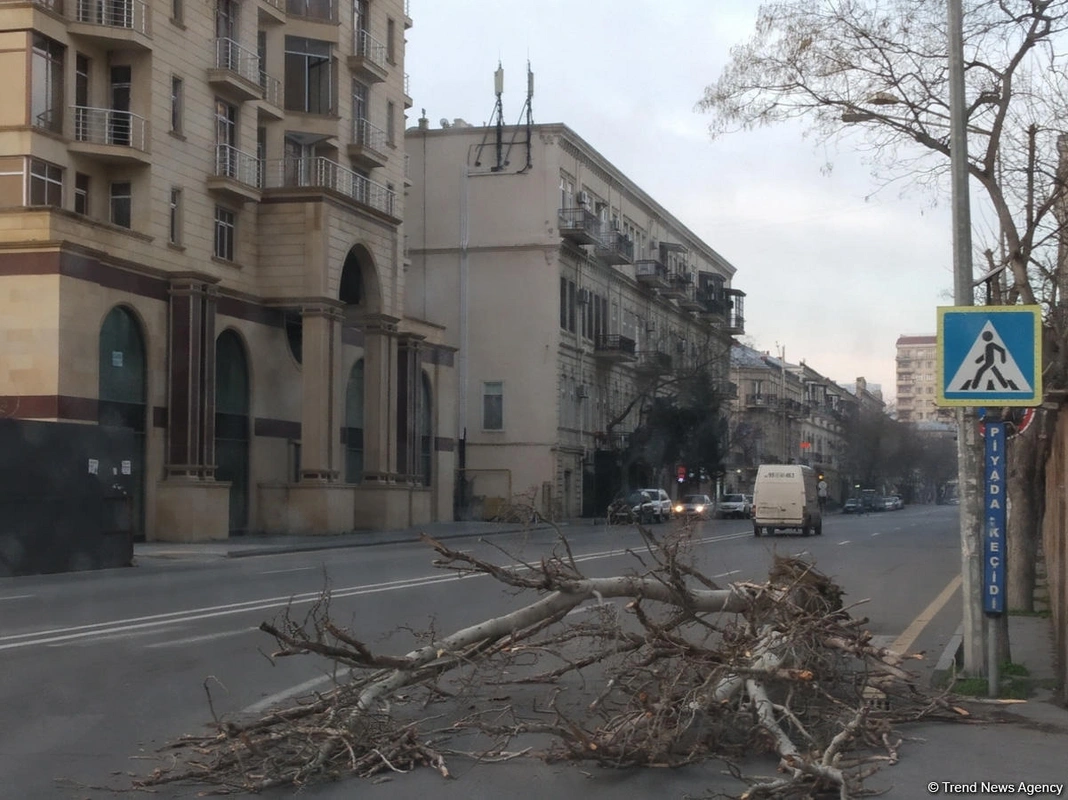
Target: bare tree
column 881, row 69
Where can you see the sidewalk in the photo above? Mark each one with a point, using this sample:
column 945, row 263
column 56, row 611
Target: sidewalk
column 263, row 545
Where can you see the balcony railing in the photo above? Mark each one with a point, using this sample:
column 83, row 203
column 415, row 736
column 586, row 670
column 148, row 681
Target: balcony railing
column 51, row 5
column 615, row 247
column 317, row 10
column 131, row 15
column 654, row 361
column 580, row 225
column 240, row 166
column 367, row 134
column 229, row 55
column 735, row 311
column 651, row 273
column 368, row 47
column 322, row 173
column 612, row 344
column 762, row 400
column 272, row 89
column 107, row 126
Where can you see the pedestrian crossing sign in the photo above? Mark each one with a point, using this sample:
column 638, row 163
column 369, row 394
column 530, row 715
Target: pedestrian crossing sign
column 989, row 355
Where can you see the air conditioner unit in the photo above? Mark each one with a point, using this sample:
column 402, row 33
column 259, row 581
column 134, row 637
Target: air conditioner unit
column 582, row 391
column 583, row 199
column 584, row 296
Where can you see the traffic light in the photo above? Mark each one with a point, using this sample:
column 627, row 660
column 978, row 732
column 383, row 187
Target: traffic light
column 821, row 476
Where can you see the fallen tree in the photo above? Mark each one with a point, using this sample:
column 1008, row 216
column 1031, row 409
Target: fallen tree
column 682, row 671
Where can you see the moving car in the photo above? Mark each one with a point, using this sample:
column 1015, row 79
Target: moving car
column 786, row 497
column 734, row 505
column 661, row 504
column 852, row 506
column 634, row 507
column 694, row 505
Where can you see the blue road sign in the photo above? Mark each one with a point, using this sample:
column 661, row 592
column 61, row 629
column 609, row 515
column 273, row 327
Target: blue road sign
column 989, row 355
column 994, row 501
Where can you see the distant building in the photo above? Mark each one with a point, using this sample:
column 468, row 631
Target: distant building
column 917, row 382
column 568, row 292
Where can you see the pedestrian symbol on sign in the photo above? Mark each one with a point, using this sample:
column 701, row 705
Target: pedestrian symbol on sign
column 989, row 367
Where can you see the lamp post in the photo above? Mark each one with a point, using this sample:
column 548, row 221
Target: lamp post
column 967, row 456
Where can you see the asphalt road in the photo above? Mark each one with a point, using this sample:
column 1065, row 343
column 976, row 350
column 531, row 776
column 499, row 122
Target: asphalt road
column 100, row 669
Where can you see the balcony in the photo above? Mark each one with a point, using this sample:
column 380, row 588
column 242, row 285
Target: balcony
column 614, row 248
column 579, row 225
column 324, row 11
column 613, row 348
column 114, row 23
column 651, row 273
column 236, row 71
column 407, row 90
column 271, row 104
column 653, row 362
column 271, row 12
column 113, row 137
column 735, row 312
column 369, row 60
column 368, row 146
column 237, row 176
column 407, row 14
column 318, row 173
column 711, row 307
column 678, row 287
column 761, row 401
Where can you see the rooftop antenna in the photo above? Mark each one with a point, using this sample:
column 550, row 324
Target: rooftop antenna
column 502, row 153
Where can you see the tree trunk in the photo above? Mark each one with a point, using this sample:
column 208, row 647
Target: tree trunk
column 1028, row 453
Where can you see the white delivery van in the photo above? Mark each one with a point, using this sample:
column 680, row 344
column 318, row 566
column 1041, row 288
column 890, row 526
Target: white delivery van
column 786, row 497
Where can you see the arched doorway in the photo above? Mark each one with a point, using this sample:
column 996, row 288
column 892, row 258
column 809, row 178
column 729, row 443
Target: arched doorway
column 354, row 425
column 231, row 425
column 426, row 432
column 122, row 391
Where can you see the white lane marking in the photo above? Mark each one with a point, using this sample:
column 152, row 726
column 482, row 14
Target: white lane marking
column 208, row 637
column 101, row 639
column 877, row 533
column 17, row 597
column 845, row 541
column 726, row 574
column 292, row 691
column 280, row 571
column 96, row 629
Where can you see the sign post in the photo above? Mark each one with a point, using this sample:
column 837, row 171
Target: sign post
column 989, row 356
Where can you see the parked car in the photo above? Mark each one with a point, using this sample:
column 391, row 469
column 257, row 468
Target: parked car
column 892, row 503
column 697, row 506
column 735, row 505
column 852, row 506
column 661, row 504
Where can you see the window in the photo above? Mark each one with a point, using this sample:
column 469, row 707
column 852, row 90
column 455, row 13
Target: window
column 391, row 127
column 312, row 9
column 81, row 193
column 224, row 233
column 493, row 406
column 177, row 11
column 571, row 306
column 81, row 97
column 309, row 76
column 46, row 184
column 121, row 204
column 176, row 104
column 176, row 216
column 46, row 107
column 391, row 35
column 563, row 303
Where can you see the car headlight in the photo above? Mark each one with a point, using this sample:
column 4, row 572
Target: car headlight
column 678, row 509
column 699, row 509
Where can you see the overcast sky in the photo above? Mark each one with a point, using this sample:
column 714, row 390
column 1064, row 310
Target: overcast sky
column 830, row 272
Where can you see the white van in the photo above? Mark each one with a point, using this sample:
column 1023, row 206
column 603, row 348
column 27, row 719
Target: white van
column 786, row 496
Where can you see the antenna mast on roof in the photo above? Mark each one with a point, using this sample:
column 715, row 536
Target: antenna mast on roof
column 498, row 124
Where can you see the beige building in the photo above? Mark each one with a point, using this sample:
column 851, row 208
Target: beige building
column 786, row 414
column 201, row 238
column 568, row 291
column 917, row 381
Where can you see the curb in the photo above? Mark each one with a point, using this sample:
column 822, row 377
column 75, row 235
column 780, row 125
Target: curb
column 950, row 660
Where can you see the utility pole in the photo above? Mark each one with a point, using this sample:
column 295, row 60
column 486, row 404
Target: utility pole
column 967, row 423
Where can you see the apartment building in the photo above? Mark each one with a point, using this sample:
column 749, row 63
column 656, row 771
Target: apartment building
column 917, row 381
column 568, row 292
column 785, row 413
column 201, row 238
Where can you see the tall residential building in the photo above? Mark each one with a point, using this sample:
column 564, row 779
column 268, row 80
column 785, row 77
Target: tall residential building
column 917, row 381
column 569, row 293
column 201, row 212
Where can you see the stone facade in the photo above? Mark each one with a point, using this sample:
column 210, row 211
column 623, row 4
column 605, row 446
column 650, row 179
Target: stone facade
column 565, row 288
column 201, row 237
